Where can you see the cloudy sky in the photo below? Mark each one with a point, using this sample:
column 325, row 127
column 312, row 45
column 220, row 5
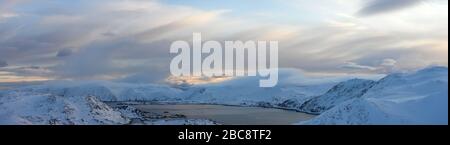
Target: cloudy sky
column 129, row 39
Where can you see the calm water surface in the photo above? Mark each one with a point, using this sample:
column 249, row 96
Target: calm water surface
column 231, row 115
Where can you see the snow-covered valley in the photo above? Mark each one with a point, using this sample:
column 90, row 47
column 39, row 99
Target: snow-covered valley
column 411, row 98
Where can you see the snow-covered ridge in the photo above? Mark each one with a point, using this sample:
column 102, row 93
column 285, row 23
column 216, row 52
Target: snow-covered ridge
column 37, row 108
column 108, row 91
column 240, row 91
column 340, row 93
column 411, row 98
column 81, row 102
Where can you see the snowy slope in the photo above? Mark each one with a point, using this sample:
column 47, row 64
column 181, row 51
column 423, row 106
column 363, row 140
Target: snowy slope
column 340, row 93
column 69, row 104
column 292, row 85
column 246, row 91
column 108, row 91
column 240, row 91
column 76, row 102
column 292, row 91
column 80, row 102
column 413, row 98
column 18, row 107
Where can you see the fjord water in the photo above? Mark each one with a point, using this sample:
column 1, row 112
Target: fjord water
column 231, row 115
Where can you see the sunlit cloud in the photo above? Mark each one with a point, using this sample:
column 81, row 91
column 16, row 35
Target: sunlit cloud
column 7, row 77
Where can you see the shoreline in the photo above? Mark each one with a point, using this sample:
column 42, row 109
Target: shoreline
column 190, row 103
column 217, row 113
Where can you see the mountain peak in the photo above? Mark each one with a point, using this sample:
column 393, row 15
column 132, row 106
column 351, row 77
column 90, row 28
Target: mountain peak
column 434, row 69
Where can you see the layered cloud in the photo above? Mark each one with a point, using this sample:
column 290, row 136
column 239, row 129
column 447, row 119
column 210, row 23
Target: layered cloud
column 128, row 40
column 384, row 6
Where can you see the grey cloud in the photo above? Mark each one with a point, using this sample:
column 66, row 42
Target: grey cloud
column 88, row 62
column 386, row 66
column 324, row 50
column 374, row 7
column 352, row 65
column 64, row 53
column 149, row 76
column 154, row 33
column 3, row 63
column 28, row 42
column 388, row 62
column 117, row 58
column 28, row 71
column 109, row 34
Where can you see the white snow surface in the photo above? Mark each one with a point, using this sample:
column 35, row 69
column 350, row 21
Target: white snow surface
column 419, row 98
column 411, row 98
column 81, row 102
column 340, row 93
column 28, row 108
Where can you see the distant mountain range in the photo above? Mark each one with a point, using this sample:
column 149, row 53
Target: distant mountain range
column 411, row 98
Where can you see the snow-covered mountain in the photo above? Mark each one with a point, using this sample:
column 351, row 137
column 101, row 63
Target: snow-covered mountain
column 77, row 102
column 108, row 91
column 81, row 102
column 246, row 92
column 412, row 98
column 237, row 91
column 17, row 107
column 340, row 93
